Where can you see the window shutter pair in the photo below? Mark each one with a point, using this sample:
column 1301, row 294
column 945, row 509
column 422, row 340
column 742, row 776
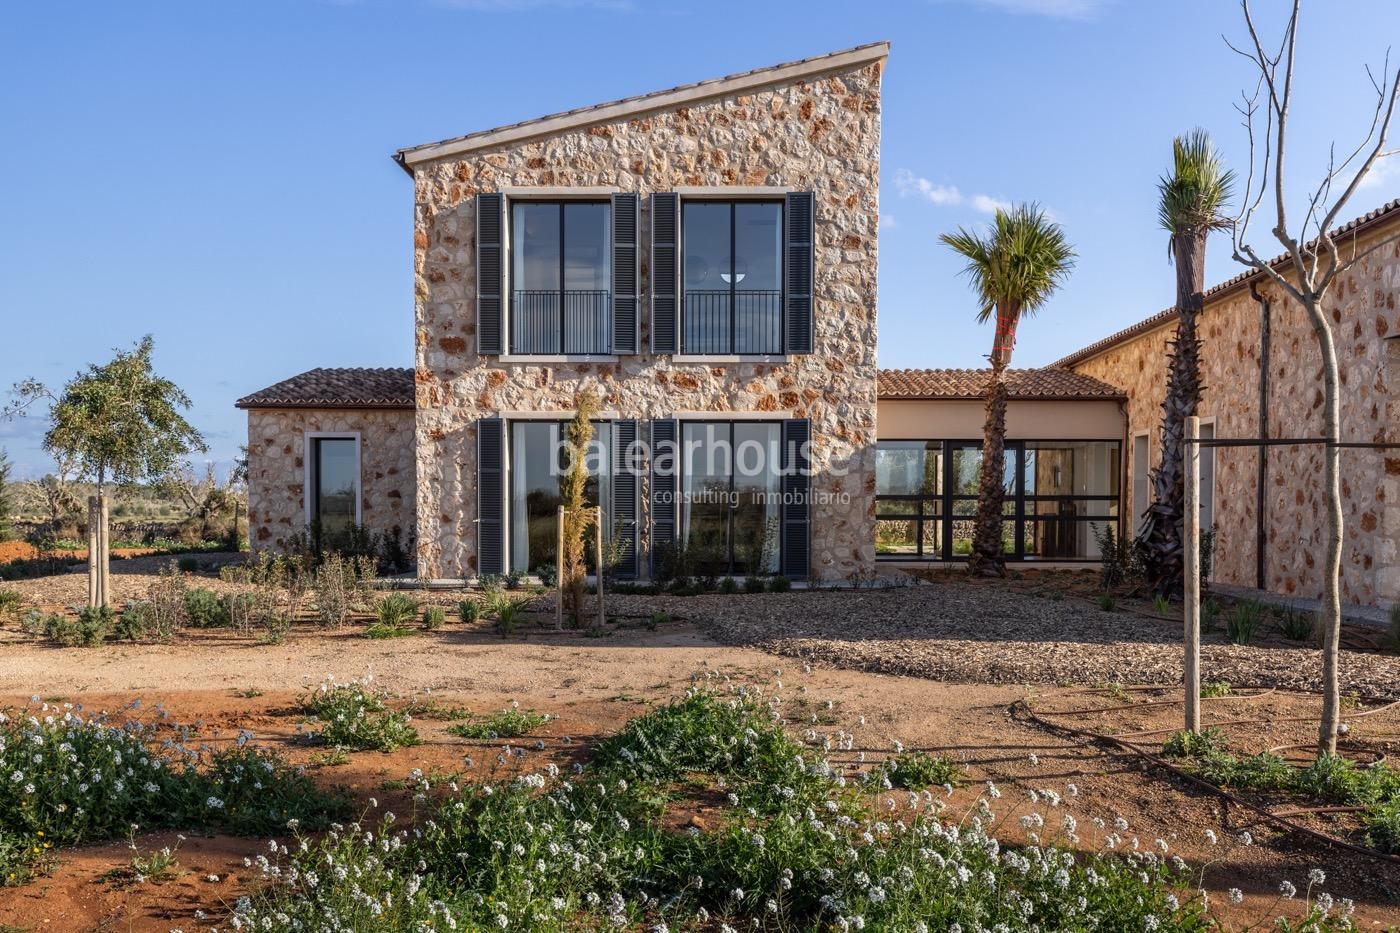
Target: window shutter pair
column 798, row 238
column 491, row 303
column 492, row 507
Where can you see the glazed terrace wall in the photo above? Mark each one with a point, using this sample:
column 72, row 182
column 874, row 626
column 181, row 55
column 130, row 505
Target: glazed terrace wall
column 821, row 135
column 1364, row 309
column 277, row 453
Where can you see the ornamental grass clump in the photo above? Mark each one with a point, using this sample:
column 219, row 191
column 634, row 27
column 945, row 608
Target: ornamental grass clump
column 353, row 716
column 73, row 779
column 509, row 723
column 784, row 840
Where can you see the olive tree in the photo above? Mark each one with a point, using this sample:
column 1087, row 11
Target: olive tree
column 116, row 423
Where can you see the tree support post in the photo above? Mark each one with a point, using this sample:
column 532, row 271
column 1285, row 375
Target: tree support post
column 94, row 584
column 598, row 561
column 1191, row 595
column 559, row 572
column 104, row 545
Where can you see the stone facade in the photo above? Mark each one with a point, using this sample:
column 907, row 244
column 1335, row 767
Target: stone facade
column 821, row 135
column 1364, row 309
column 277, row 469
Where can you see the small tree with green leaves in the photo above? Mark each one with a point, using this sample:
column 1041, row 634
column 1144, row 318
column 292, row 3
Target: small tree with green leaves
column 117, row 423
column 574, row 493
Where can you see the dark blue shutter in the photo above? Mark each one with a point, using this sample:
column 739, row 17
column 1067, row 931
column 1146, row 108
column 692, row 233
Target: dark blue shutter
column 665, row 270
column 665, row 469
column 626, row 478
column 797, row 504
column 490, row 496
column 798, row 236
column 490, row 274
column 624, row 273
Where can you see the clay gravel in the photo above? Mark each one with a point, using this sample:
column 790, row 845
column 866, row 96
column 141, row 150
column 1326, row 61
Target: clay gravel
column 976, row 633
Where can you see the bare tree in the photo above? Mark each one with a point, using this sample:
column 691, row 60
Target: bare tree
column 1313, row 260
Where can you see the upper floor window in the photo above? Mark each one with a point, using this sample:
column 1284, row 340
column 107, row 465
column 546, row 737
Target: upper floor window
column 561, row 277
column 732, row 262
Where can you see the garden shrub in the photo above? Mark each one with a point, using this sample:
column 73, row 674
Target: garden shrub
column 395, row 609
column 434, row 617
column 205, row 609
column 353, row 716
column 509, row 723
column 918, row 770
column 755, row 585
column 81, row 780
column 1242, row 624
column 188, row 564
column 469, row 611
column 1383, row 826
column 24, row 857
column 10, row 601
column 779, row 584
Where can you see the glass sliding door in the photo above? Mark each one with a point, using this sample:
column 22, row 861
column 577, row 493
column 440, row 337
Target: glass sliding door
column 538, row 462
column 731, row 491
column 1057, row 495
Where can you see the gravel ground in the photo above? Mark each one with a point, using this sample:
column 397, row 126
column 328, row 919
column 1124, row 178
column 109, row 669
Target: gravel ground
column 978, row 633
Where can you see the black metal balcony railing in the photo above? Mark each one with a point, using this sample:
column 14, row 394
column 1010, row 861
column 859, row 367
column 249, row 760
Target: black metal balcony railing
column 573, row 322
column 732, row 321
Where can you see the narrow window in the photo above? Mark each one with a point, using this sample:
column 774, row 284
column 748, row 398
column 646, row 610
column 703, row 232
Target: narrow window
column 1142, row 496
column 335, row 489
column 561, row 278
column 732, row 268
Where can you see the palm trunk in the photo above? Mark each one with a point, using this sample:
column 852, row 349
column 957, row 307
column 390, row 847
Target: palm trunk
column 987, row 558
column 1163, row 528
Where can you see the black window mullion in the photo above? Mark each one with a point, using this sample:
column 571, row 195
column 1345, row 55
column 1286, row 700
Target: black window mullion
column 733, row 277
column 563, row 340
column 946, row 548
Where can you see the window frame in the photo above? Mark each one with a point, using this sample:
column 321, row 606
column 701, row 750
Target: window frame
column 559, row 198
column 311, row 473
column 776, row 196
column 1140, row 508
column 1208, row 491
column 508, row 484
column 681, row 459
column 1019, row 515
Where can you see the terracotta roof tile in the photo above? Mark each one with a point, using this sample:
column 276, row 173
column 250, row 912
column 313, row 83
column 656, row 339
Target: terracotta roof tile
column 357, row 387
column 1048, row 383
column 1381, row 215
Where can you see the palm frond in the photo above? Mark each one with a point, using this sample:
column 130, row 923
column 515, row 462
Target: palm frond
column 1017, row 264
column 1194, row 195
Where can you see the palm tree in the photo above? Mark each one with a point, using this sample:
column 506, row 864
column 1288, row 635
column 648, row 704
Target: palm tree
column 1192, row 203
column 1014, row 268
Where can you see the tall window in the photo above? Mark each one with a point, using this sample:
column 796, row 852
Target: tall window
column 561, row 278
column 1056, row 493
column 537, row 465
column 335, row 489
column 732, row 258
column 731, row 496
column 1142, row 495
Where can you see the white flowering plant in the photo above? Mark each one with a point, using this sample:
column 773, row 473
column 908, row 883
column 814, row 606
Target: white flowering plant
column 77, row 779
column 354, row 716
column 778, row 838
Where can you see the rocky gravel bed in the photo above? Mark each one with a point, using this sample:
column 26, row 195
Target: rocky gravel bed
column 978, row 633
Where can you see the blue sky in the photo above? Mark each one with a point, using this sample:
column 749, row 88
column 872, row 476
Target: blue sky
column 217, row 172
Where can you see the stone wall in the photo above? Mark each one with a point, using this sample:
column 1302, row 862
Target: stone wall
column 277, row 463
column 1364, row 309
column 822, row 135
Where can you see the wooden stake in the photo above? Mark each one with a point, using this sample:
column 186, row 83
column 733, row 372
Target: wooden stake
column 559, row 572
column 1191, row 595
column 93, row 556
column 598, row 561
column 104, row 546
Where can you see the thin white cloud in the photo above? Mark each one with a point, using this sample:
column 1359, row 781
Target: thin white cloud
column 1055, row 9
column 910, row 185
column 1385, row 173
column 887, row 222
column 989, row 205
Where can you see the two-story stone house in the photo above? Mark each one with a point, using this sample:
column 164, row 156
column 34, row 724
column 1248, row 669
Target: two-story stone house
column 701, row 259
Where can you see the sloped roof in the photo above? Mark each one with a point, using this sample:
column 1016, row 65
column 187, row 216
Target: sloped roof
column 953, row 384
column 356, row 387
column 1382, row 215
column 629, row 107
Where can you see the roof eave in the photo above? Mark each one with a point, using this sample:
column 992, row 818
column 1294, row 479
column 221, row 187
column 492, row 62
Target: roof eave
column 632, row 107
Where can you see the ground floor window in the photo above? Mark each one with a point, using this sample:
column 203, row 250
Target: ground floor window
column 538, row 462
column 334, row 489
column 731, row 496
column 1057, row 492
